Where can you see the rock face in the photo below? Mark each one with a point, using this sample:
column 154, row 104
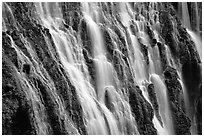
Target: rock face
column 153, row 99
column 143, row 112
column 181, row 121
column 40, row 97
column 15, row 106
column 185, row 54
column 35, row 35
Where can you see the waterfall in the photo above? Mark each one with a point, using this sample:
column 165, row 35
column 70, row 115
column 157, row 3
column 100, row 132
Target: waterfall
column 162, row 97
column 185, row 15
column 198, row 45
column 195, row 36
column 197, row 40
column 95, row 111
column 192, row 24
column 97, row 68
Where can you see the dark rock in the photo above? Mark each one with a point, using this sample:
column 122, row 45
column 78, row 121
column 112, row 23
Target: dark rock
column 122, row 41
column 153, row 99
column 144, row 50
column 108, row 101
column 162, row 52
column 175, row 94
column 194, row 15
column 150, row 32
column 90, row 65
column 15, row 106
column 154, row 42
column 85, row 36
column 192, row 75
column 9, row 109
column 22, row 13
column 24, row 29
column 108, row 43
column 133, row 29
column 19, row 127
column 198, row 115
column 49, row 60
column 9, row 51
column 143, row 112
column 167, row 31
column 71, row 14
column 26, row 69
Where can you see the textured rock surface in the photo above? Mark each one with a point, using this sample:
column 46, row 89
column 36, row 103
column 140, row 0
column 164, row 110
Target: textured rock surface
column 181, row 121
column 29, row 36
column 153, row 99
column 183, row 50
column 143, row 112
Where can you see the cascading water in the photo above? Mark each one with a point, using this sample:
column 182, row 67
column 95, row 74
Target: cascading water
column 197, row 40
column 185, row 15
column 193, row 29
column 164, row 109
column 112, row 74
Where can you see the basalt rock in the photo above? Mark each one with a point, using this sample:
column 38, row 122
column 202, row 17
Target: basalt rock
column 144, row 50
column 198, row 114
column 35, row 36
column 180, row 120
column 153, row 99
column 143, row 112
column 30, row 56
column 162, row 52
column 71, row 14
column 15, row 106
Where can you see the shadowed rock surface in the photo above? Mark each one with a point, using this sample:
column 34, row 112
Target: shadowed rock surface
column 44, row 92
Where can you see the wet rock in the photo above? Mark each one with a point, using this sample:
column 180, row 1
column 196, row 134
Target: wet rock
column 181, row 122
column 35, row 36
column 20, row 127
column 153, row 99
column 144, row 50
column 109, row 100
column 184, row 54
column 194, row 15
column 143, row 112
column 15, row 106
column 56, row 122
column 166, row 23
column 133, row 29
column 108, row 43
column 63, row 86
column 122, row 68
column 71, row 14
column 9, row 51
column 85, row 36
column 122, row 41
column 9, row 109
column 91, row 66
column 26, row 69
column 18, row 39
column 167, row 31
column 162, row 52
column 187, row 51
column 22, row 13
column 150, row 32
column 192, row 76
column 198, row 115
column 154, row 42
